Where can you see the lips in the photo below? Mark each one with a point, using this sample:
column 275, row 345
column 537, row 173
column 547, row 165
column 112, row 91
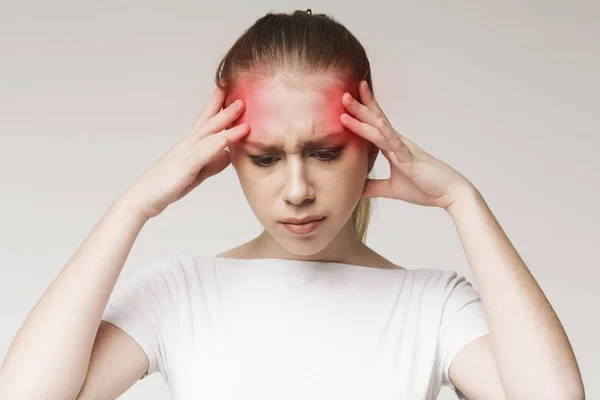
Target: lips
column 301, row 221
column 304, row 228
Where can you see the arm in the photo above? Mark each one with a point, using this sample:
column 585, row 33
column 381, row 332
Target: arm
column 532, row 353
column 53, row 346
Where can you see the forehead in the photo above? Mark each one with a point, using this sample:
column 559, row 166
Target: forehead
column 309, row 105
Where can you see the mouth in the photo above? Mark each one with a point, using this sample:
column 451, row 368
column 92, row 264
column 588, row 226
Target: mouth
column 302, row 221
column 303, row 228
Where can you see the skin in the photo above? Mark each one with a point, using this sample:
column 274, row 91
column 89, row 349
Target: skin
column 285, row 112
column 527, row 354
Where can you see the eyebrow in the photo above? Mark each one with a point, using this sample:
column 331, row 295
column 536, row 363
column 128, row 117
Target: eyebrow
column 322, row 141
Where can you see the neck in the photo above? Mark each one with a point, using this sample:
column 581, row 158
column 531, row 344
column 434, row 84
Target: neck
column 344, row 248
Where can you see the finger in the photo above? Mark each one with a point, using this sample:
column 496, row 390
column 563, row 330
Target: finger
column 389, row 156
column 377, row 188
column 211, row 145
column 236, row 133
column 414, row 148
column 197, row 181
column 406, row 170
column 368, row 99
column 396, row 145
column 208, row 165
column 360, row 111
column 217, row 164
column 363, row 129
column 212, row 108
column 206, row 149
column 222, row 120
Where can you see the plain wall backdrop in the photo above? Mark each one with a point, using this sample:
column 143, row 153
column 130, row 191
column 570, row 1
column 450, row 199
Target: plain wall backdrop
column 506, row 92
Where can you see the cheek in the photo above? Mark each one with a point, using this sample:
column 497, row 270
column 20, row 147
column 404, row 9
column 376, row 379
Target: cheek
column 347, row 176
column 354, row 170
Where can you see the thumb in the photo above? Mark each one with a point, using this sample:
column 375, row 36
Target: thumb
column 376, row 188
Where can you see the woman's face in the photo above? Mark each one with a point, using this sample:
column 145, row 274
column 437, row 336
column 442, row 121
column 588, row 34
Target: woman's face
column 298, row 160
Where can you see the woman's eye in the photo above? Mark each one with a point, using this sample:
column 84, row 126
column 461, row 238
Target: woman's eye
column 263, row 161
column 329, row 155
column 326, row 156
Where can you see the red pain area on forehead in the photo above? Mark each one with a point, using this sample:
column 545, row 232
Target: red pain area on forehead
column 275, row 111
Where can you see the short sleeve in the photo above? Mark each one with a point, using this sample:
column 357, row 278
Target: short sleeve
column 138, row 307
column 463, row 321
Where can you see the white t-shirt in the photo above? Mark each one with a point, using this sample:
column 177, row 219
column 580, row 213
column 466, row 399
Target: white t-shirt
column 222, row 328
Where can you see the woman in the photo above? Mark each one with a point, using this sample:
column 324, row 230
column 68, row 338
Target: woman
column 306, row 309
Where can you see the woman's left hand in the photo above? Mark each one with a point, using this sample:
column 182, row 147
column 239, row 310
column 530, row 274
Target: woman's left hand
column 415, row 176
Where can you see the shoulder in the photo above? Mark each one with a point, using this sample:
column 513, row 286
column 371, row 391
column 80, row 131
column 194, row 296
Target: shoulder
column 163, row 281
column 173, row 264
column 443, row 281
column 444, row 290
column 165, row 273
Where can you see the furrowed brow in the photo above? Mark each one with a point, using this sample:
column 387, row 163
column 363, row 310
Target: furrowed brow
column 322, row 141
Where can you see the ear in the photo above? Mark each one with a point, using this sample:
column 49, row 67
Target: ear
column 373, row 152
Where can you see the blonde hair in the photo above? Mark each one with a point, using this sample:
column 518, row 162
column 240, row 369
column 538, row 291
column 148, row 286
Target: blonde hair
column 361, row 217
column 301, row 43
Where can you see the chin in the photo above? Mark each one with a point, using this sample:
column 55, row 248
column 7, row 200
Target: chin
column 304, row 249
column 302, row 245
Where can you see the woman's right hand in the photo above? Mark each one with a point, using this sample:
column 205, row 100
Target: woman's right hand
column 200, row 154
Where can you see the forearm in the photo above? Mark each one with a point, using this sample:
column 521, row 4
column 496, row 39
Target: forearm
column 50, row 353
column 532, row 352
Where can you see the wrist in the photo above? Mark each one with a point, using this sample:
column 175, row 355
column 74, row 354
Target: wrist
column 123, row 207
column 467, row 197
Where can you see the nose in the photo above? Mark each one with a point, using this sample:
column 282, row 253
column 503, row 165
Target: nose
column 298, row 188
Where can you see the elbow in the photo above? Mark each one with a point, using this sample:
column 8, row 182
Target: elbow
column 577, row 392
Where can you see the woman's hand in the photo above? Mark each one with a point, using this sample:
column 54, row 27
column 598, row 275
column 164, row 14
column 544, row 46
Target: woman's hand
column 200, row 154
column 415, row 175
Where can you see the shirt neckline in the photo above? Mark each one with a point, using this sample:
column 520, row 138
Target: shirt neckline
column 302, row 265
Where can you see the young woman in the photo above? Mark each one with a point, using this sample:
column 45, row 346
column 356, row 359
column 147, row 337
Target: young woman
column 306, row 310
